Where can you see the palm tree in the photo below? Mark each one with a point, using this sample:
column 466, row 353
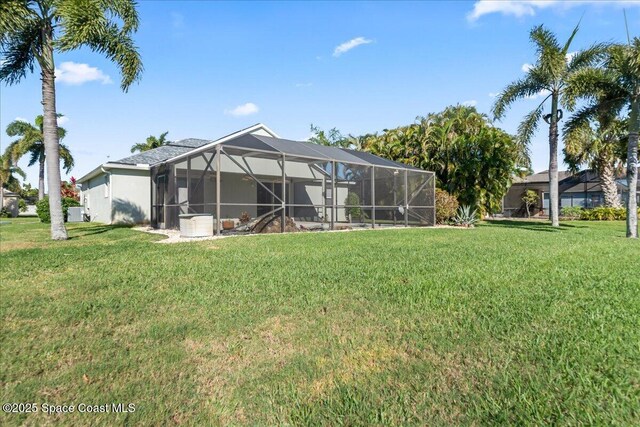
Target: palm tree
column 615, row 89
column 32, row 142
column 548, row 78
column 602, row 149
column 152, row 142
column 30, row 32
column 8, row 168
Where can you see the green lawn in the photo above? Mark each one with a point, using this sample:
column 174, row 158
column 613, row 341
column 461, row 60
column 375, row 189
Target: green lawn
column 508, row 323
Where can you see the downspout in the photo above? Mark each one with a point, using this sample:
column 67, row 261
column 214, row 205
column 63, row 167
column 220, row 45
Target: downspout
column 110, row 194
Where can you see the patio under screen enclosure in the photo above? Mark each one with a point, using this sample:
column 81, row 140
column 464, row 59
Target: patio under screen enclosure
column 258, row 179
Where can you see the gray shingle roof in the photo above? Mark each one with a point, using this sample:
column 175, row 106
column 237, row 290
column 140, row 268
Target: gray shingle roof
column 166, row 152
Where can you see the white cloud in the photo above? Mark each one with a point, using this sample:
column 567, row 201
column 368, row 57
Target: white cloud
column 543, row 92
column 73, row 73
column 347, row 46
column 526, row 67
column 470, row 103
column 570, row 56
column 520, row 8
column 63, row 120
column 493, row 94
column 304, row 84
column 21, row 119
column 243, row 110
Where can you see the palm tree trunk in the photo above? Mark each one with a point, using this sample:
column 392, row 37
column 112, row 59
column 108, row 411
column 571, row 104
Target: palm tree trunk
column 41, row 176
column 51, row 142
column 607, row 175
column 553, row 163
column 632, row 167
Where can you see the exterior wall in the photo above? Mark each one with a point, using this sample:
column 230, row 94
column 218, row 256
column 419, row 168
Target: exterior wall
column 123, row 196
column 95, row 198
column 130, row 196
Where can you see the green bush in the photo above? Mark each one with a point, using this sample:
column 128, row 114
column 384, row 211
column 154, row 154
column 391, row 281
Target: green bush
column 446, row 206
column 353, row 211
column 42, row 208
column 4, row 213
column 572, row 212
column 604, row 214
column 22, row 205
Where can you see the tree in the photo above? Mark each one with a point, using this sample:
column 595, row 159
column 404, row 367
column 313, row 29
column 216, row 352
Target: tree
column 602, row 149
column 32, row 142
column 548, row 78
column 332, row 138
column 32, row 30
column 472, row 160
column 529, row 198
column 151, row 143
column 615, row 88
column 8, row 168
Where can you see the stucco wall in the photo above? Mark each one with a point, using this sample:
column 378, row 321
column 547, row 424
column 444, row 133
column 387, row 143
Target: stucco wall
column 95, row 198
column 121, row 197
column 130, row 196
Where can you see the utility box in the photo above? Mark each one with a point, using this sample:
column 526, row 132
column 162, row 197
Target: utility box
column 75, row 214
column 196, row 225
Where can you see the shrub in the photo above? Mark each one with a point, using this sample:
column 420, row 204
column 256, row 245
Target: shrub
column 353, row 211
column 465, row 217
column 22, row 205
column 4, row 213
column 603, row 214
column 572, row 212
column 42, row 208
column 529, row 198
column 446, row 206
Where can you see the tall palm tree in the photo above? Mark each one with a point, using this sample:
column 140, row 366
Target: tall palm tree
column 32, row 30
column 548, row 77
column 32, row 142
column 151, row 143
column 602, row 149
column 615, row 88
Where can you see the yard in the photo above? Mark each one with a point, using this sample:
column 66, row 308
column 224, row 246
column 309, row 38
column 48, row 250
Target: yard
column 508, row 323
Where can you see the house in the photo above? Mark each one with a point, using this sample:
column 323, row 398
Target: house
column 9, row 202
column 253, row 174
column 575, row 189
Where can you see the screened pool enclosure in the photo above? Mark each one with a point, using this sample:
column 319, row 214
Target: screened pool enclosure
column 255, row 183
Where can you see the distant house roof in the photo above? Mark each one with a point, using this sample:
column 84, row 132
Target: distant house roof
column 541, row 177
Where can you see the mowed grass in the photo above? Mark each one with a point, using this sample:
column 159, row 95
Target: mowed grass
column 508, row 323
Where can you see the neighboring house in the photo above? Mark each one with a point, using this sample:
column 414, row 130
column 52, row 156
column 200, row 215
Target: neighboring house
column 9, row 202
column 242, row 174
column 580, row 189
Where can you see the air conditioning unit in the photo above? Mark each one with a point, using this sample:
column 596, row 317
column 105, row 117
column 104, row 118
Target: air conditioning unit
column 196, row 225
column 75, row 214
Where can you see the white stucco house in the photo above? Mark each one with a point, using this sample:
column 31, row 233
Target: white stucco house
column 253, row 173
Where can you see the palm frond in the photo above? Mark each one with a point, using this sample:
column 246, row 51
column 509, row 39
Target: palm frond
column 529, row 124
column 19, row 128
column 67, row 159
column 17, row 48
column 591, row 56
column 104, row 27
column 525, row 87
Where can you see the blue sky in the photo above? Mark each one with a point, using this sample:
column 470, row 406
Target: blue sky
column 212, row 68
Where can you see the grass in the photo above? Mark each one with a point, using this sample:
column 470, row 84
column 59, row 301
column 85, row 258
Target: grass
column 509, row 323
